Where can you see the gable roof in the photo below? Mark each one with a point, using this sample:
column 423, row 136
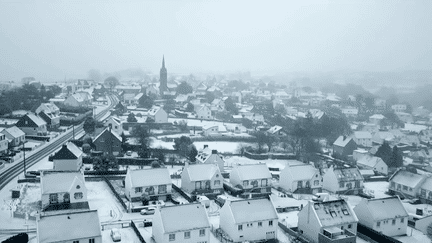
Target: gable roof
column 107, row 130
column 14, row 132
column 36, row 119
column 252, row 171
column 407, row 178
column 47, row 108
column 342, row 141
column 68, row 151
column 301, row 172
column 385, row 208
column 331, row 213
column 362, row 134
column 148, row 177
column 59, row 181
column 369, row 161
column 274, row 129
column 348, row 174
column 69, row 226
column 154, row 110
column 201, row 172
column 174, row 217
column 252, row 210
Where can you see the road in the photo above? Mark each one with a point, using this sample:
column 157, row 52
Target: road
column 16, row 169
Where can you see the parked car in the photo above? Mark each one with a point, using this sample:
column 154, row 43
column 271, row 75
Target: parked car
column 148, row 211
column 321, row 197
column 204, row 201
column 160, row 203
column 115, row 235
column 414, row 201
column 129, row 153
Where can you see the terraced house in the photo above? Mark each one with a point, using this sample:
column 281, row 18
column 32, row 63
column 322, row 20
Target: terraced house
column 202, row 179
column 155, row 183
column 255, row 178
column 343, row 180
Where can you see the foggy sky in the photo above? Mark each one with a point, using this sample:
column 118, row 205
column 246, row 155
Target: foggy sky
column 54, row 39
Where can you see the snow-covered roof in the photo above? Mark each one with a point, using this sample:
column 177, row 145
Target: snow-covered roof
column 274, row 129
column 36, row 119
column 342, row 141
column 174, row 217
column 301, row 172
column 69, row 226
column 60, row 181
column 112, row 132
column 332, row 213
column 251, row 172
column 68, row 151
column 384, row 208
column 362, row 135
column 407, row 178
column 252, row 210
column 15, row 132
column 348, row 174
column 369, row 161
column 201, row 172
column 377, row 116
column 148, row 177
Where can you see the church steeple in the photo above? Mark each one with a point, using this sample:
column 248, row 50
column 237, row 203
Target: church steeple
column 163, row 80
column 163, row 61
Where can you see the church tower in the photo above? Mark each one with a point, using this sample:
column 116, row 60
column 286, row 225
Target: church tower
column 163, row 80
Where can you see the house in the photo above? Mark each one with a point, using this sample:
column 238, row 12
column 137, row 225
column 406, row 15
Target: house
column 254, row 178
column 376, row 119
column 32, row 125
column 208, row 156
column 4, row 143
column 63, row 190
column 373, row 163
column 203, row 111
column 115, row 123
column 158, row 115
column 155, row 183
column 185, row 223
column 344, row 146
column 76, row 226
column 405, row 117
column 406, row 184
column 78, row 99
column 425, row 192
column 50, row 113
column 385, row 215
column 343, row 180
column 152, row 89
column 136, row 99
column 14, row 135
column 276, row 130
column 304, row 179
column 218, row 104
column 68, row 158
column 368, row 127
column 108, row 141
column 209, row 130
column 422, row 224
column 350, row 111
column 363, row 138
column 202, row 179
column 399, row 107
column 252, row 220
column 328, row 221
column 84, row 83
column 381, row 136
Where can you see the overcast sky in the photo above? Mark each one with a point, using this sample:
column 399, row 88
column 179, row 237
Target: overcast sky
column 54, row 39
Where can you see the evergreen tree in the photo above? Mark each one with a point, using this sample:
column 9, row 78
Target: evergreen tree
column 131, row 118
column 385, row 153
column 396, row 158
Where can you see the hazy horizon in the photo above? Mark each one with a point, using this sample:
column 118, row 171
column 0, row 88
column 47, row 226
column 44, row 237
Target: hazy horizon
column 52, row 40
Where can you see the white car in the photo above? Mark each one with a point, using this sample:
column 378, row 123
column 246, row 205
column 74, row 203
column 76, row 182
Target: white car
column 115, row 235
column 148, row 211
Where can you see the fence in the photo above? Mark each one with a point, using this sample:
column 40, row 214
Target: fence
column 250, row 155
column 293, row 233
column 218, row 138
column 115, row 193
column 371, row 235
column 135, row 229
column 181, row 192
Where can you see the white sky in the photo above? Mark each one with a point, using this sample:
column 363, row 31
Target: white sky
column 53, row 39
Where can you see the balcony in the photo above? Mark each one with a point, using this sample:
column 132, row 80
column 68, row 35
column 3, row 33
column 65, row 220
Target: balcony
column 336, row 235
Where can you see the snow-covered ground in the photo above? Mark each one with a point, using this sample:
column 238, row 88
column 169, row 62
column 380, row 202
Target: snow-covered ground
column 222, row 147
column 200, row 123
column 127, row 235
column 234, row 160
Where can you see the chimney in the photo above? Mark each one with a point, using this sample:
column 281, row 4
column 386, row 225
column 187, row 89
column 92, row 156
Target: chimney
column 205, row 146
column 344, row 137
column 214, row 151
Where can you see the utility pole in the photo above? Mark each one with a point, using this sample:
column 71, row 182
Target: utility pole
column 23, row 148
column 73, row 128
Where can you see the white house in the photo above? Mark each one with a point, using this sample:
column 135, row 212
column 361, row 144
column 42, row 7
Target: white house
column 343, row 180
column 399, row 108
column 363, row 138
column 156, row 183
column 115, row 123
column 203, row 111
column 376, row 119
column 68, row 158
column 208, row 130
column 406, row 184
column 185, row 223
column 32, row 124
column 202, row 179
column 328, row 221
column 3, row 143
column 61, row 190
column 385, row 215
column 207, row 156
column 14, row 135
column 249, row 220
column 350, row 111
column 373, row 163
column 253, row 178
column 301, row 179
column 76, row 226
column 158, row 115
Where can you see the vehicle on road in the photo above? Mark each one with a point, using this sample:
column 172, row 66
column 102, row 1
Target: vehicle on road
column 115, row 234
column 148, row 211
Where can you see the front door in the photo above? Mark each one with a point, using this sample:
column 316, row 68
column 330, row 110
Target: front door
column 66, row 198
column 270, row 235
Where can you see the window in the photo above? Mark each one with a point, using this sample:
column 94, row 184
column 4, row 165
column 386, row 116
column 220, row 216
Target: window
column 349, row 226
column 92, row 240
column 341, row 184
column 240, row 227
column 345, row 211
column 393, row 221
column 198, row 185
column 316, row 182
column 162, row 189
column 171, row 237
column 254, row 183
column 342, row 227
column 187, row 235
column 78, row 195
column 349, row 185
column 78, row 187
column 299, row 184
column 150, row 190
column 245, row 183
column 207, row 184
column 378, row 224
column 405, row 188
column 249, row 225
column 357, row 184
column 264, row 182
column 202, row 232
column 422, row 192
column 270, row 223
column 402, row 220
column 217, row 183
column 138, row 189
column 76, row 241
column 53, row 198
column 307, row 184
